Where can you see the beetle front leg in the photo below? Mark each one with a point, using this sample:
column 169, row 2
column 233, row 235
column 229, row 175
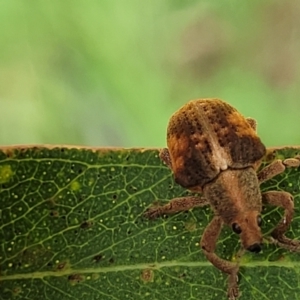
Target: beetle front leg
column 208, row 245
column 284, row 200
column 174, row 206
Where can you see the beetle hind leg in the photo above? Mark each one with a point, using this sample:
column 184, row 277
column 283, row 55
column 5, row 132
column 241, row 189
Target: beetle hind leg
column 284, row 200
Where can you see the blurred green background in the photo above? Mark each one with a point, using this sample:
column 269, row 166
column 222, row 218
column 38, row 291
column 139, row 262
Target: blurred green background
column 111, row 72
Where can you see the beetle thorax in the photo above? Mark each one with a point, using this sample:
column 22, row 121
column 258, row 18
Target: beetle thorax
column 234, row 192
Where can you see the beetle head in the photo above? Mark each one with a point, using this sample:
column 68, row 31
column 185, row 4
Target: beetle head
column 247, row 225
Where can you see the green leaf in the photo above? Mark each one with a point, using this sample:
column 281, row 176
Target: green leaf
column 71, row 227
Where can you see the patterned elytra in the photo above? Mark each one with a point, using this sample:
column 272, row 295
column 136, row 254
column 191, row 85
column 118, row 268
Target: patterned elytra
column 207, row 136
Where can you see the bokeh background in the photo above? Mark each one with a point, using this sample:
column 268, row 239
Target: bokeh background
column 111, row 72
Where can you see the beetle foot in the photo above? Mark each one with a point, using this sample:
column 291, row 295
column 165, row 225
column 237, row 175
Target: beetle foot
column 286, row 243
column 233, row 289
column 292, row 162
column 153, row 212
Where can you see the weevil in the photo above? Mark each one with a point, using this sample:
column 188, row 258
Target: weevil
column 215, row 151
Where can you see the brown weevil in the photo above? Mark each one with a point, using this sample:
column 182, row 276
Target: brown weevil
column 215, row 151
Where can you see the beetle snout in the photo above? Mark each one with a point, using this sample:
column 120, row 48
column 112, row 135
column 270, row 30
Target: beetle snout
column 256, row 248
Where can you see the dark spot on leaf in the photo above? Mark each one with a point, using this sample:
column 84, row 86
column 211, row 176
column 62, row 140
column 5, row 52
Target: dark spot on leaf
column 111, row 260
column 16, row 291
column 86, row 225
column 147, row 275
column 75, row 278
column 166, row 250
column 97, row 257
column 114, row 196
column 61, row 266
column 82, row 197
column 133, row 188
column 54, row 213
column 51, row 202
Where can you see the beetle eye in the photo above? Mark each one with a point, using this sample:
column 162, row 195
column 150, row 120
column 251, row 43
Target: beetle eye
column 236, row 228
column 259, row 220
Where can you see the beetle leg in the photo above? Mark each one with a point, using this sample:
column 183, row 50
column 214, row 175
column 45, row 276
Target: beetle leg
column 165, row 157
column 284, row 200
column 252, row 123
column 270, row 171
column 208, row 245
column 292, row 162
column 277, row 167
column 174, row 206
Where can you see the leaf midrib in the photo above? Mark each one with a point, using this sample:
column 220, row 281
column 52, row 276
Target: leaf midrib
column 167, row 264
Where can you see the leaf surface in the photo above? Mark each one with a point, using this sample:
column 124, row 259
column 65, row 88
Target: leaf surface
column 71, row 227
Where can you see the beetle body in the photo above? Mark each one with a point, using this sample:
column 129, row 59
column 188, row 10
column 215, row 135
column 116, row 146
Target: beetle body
column 214, row 150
